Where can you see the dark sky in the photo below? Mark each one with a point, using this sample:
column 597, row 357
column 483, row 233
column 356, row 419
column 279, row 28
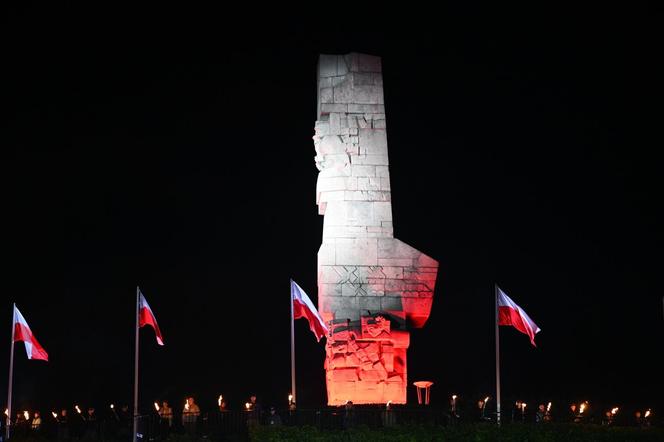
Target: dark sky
column 172, row 149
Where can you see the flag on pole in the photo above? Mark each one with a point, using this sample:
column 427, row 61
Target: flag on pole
column 509, row 313
column 304, row 308
column 146, row 317
column 23, row 333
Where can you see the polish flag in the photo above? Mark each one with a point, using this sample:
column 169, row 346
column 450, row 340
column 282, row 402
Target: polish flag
column 511, row 314
column 146, row 317
column 304, row 308
column 23, row 333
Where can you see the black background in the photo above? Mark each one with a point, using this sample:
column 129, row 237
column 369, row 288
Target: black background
column 172, row 149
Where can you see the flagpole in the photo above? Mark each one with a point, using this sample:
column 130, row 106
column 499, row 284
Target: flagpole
column 136, row 370
column 292, row 344
column 11, row 376
column 497, row 359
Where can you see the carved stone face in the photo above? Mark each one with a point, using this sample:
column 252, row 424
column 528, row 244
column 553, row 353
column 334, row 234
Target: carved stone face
column 331, row 157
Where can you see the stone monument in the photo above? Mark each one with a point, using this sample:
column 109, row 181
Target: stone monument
column 371, row 286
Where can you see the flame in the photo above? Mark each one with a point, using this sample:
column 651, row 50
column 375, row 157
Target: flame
column 523, row 406
column 614, row 411
column 27, row 415
column 486, row 399
column 454, row 396
column 6, row 412
column 582, row 407
column 647, row 414
column 78, row 410
column 247, row 405
column 112, row 406
column 548, row 407
column 54, row 414
column 388, row 404
column 290, row 398
column 156, row 406
column 219, row 400
column 186, row 405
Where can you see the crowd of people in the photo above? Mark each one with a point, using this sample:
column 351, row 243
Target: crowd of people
column 87, row 425
column 575, row 413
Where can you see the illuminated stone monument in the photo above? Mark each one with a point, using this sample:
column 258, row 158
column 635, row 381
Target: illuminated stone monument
column 371, row 286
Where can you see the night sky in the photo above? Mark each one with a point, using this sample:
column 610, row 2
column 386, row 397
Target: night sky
column 172, row 150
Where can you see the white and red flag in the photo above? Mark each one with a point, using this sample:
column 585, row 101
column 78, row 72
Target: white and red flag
column 304, row 308
column 509, row 313
column 146, row 317
column 23, row 333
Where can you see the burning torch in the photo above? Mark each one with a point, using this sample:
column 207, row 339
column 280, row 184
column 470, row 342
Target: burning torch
column 80, row 413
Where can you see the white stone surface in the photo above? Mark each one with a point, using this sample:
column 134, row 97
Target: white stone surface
column 363, row 271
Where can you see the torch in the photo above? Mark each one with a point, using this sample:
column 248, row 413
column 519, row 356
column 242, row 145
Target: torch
column 7, row 412
column 78, row 410
column 219, row 400
column 247, row 405
column 614, row 411
column 647, row 415
column 548, row 407
column 115, row 414
column 26, row 415
column 454, row 398
column 523, row 410
column 387, row 406
column 582, row 407
column 186, row 406
column 55, row 416
column 290, row 399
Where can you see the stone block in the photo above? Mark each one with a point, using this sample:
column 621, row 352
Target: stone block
column 352, row 62
column 364, row 95
column 337, row 81
column 369, row 304
column 327, row 66
column 401, row 262
column 369, row 63
column 344, row 93
column 373, row 142
column 382, row 211
column 366, row 108
column 335, row 123
column 326, row 254
column 363, row 79
column 383, row 171
column 364, row 171
column 356, row 251
column 326, row 95
column 344, row 375
column 327, row 108
column 375, row 160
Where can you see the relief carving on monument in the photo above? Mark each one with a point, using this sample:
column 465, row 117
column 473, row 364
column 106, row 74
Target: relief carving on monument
column 371, row 286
